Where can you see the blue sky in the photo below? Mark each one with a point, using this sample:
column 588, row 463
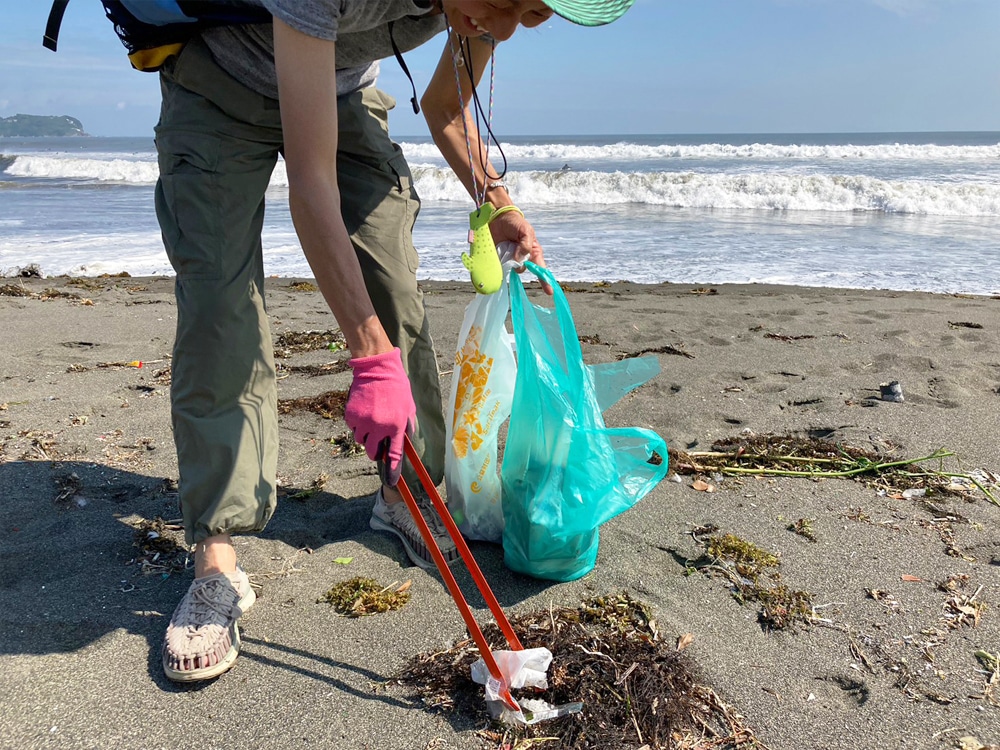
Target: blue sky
column 668, row 66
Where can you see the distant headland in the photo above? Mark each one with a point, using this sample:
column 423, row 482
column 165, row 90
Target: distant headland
column 29, row 126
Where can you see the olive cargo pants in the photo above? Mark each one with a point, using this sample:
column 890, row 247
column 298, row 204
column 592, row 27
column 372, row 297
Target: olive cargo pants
column 218, row 143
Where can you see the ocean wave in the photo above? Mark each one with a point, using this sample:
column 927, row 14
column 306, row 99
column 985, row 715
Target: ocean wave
column 770, row 191
column 91, row 169
column 760, row 189
column 143, row 170
column 632, row 152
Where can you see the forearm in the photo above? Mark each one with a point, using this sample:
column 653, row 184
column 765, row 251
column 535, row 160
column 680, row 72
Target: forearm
column 315, row 210
column 444, row 107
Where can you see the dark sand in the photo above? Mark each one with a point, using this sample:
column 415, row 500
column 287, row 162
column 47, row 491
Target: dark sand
column 81, row 627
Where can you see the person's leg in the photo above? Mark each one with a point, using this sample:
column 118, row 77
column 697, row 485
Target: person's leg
column 217, row 144
column 380, row 205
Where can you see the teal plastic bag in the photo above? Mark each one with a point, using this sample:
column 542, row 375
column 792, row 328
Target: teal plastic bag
column 564, row 471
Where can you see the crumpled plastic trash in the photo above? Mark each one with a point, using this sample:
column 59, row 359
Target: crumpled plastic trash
column 525, row 668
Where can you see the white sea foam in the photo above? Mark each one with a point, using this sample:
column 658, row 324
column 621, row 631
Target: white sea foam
column 767, row 191
column 573, row 153
column 91, row 168
column 764, row 190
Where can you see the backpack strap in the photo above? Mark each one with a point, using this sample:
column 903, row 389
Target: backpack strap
column 51, row 37
column 402, row 64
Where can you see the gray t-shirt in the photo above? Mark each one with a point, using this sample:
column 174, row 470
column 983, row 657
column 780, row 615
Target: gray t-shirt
column 360, row 28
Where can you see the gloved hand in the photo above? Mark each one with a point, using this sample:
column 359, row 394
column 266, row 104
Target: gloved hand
column 380, row 408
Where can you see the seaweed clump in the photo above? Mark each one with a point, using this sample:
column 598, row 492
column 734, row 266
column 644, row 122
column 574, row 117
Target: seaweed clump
column 817, row 459
column 359, row 596
column 753, row 572
column 637, row 690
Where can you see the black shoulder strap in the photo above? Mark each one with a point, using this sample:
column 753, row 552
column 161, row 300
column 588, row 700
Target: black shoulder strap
column 402, row 64
column 55, row 21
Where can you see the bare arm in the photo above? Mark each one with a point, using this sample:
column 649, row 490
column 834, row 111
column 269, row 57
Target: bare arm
column 308, row 96
column 444, row 115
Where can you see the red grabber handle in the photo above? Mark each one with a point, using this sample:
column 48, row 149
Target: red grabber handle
column 463, row 548
column 449, row 578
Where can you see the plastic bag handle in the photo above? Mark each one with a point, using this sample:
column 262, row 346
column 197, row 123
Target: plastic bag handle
column 571, row 344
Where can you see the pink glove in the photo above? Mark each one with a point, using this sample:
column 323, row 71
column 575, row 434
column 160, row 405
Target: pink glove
column 380, row 408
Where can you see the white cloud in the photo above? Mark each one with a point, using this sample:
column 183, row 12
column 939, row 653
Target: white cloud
column 120, row 106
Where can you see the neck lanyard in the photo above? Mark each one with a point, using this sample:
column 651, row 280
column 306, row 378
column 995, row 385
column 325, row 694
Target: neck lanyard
column 458, row 57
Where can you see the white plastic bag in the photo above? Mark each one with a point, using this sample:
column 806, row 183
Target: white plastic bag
column 482, row 389
column 520, row 669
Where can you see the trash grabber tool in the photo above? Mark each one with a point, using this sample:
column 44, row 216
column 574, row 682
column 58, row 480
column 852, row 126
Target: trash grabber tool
column 456, row 593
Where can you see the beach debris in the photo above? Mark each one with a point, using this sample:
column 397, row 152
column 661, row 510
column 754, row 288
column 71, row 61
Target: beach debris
column 68, row 487
column 14, row 290
column 963, row 610
column 329, row 368
column 96, row 283
column 991, row 665
column 666, row 349
column 702, row 486
column 293, row 342
column 344, row 444
column 804, row 527
column 885, row 598
column 30, row 271
column 343, row 560
column 907, row 578
column 44, row 446
column 891, row 391
column 637, row 690
column 787, row 338
column 288, row 567
column 53, row 293
column 753, row 573
column 971, row 742
column 703, row 291
column 19, row 290
column 359, row 596
column 303, row 286
column 135, row 363
column 964, row 324
column 815, row 458
column 161, row 546
column 954, row 582
column 329, row 405
column 315, row 486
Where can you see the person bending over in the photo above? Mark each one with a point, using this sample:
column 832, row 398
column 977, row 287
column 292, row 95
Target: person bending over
column 304, row 87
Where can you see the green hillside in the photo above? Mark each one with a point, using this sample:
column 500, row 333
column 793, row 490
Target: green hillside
column 26, row 126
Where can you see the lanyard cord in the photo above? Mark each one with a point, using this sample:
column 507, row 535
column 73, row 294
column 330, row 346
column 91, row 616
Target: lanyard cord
column 462, row 56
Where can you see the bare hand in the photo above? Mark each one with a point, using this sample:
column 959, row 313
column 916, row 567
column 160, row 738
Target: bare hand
column 512, row 227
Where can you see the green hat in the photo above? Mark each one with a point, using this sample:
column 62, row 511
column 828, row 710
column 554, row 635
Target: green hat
column 590, row 12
